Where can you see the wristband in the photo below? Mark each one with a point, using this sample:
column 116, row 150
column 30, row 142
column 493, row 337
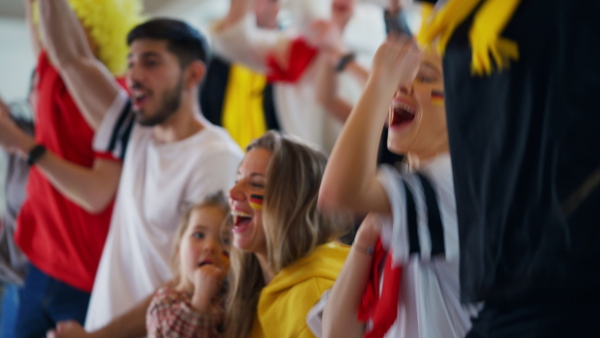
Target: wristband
column 344, row 61
column 367, row 251
column 35, row 154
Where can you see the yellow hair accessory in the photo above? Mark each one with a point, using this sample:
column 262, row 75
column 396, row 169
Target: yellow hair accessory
column 484, row 35
column 108, row 23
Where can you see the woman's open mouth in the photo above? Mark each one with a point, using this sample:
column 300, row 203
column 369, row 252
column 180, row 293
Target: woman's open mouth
column 401, row 114
column 241, row 220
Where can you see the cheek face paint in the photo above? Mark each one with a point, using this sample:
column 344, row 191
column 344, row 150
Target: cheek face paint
column 437, row 97
column 256, row 202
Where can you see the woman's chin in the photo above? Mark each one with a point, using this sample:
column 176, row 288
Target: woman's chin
column 240, row 244
column 397, row 146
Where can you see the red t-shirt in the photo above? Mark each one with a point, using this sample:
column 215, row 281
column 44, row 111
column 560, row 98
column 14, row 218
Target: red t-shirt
column 59, row 237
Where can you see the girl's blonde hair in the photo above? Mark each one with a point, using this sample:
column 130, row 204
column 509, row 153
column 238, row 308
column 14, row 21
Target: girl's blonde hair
column 109, row 22
column 217, row 200
column 293, row 226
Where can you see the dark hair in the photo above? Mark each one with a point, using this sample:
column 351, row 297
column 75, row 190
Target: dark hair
column 183, row 40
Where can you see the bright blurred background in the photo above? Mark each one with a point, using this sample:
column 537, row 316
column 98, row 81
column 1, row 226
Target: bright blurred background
column 16, row 58
column 363, row 34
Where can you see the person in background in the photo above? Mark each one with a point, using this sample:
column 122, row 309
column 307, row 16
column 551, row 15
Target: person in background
column 238, row 98
column 13, row 262
column 63, row 223
column 289, row 59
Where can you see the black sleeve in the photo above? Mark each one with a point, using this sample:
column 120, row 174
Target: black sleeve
column 122, row 132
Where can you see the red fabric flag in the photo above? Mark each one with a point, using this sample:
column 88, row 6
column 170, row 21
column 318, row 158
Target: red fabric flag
column 381, row 308
column 301, row 55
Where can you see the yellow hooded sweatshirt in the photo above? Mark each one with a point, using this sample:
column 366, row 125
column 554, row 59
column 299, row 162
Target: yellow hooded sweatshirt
column 287, row 299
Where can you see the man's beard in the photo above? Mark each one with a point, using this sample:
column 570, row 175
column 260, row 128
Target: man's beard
column 170, row 102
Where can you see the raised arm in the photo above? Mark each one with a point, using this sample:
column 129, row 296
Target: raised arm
column 36, row 45
column 238, row 39
column 327, row 87
column 327, row 82
column 329, row 63
column 238, row 9
column 350, row 179
column 341, row 309
column 359, row 72
column 91, row 188
column 89, row 82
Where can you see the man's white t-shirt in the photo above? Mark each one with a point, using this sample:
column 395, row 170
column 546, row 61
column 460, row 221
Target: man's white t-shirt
column 158, row 182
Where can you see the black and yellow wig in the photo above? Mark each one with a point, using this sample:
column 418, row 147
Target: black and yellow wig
column 490, row 19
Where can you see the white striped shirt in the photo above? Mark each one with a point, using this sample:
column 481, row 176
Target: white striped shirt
column 423, row 234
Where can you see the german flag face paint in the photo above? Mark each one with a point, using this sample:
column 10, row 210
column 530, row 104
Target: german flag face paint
column 256, row 202
column 437, row 97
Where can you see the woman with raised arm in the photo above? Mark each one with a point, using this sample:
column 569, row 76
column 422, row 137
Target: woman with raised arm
column 406, row 252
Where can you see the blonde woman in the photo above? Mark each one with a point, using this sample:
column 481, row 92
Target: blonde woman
column 284, row 256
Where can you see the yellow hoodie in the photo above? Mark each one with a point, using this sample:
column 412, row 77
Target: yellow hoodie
column 287, row 299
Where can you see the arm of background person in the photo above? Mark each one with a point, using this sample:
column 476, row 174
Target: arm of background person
column 359, row 72
column 327, row 75
column 238, row 39
column 327, row 86
column 36, row 45
column 350, row 178
column 130, row 325
column 89, row 82
column 341, row 309
column 91, row 188
column 327, row 83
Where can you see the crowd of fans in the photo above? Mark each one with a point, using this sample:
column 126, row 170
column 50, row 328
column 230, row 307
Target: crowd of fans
column 170, row 188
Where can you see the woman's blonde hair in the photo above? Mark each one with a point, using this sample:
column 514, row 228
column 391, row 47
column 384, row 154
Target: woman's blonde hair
column 108, row 22
column 217, row 200
column 293, row 226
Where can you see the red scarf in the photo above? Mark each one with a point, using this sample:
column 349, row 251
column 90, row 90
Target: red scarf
column 381, row 308
column 301, row 55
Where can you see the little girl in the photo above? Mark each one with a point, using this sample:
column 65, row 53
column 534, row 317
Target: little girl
column 192, row 305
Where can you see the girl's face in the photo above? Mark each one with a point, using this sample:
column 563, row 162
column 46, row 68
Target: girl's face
column 245, row 200
column 206, row 240
column 417, row 116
